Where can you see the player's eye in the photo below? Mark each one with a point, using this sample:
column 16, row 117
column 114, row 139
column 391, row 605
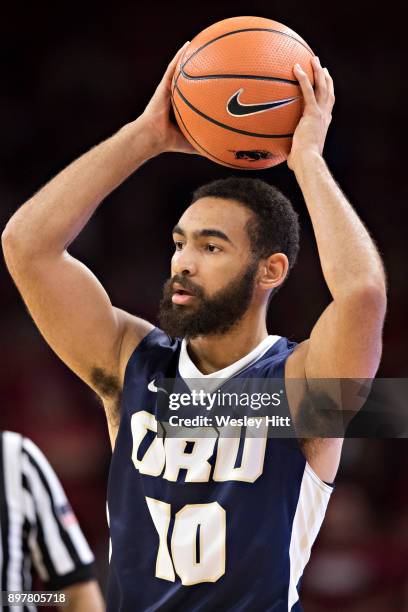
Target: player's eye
column 212, row 248
column 178, row 244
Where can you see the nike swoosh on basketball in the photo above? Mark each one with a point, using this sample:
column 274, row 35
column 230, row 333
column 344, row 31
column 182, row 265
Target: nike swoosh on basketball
column 239, row 109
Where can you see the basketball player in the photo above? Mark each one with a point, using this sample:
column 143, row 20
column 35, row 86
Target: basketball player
column 202, row 525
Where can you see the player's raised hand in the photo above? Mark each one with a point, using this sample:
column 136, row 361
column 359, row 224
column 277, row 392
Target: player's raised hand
column 157, row 114
column 310, row 133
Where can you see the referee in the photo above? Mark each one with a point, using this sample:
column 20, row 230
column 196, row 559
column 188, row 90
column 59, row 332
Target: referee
column 39, row 531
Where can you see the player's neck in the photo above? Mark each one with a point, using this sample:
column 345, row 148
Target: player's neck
column 215, row 352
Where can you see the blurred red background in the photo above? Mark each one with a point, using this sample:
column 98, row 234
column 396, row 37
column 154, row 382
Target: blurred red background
column 72, row 75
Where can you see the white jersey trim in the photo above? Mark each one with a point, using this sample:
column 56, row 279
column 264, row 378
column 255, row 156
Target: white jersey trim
column 326, row 487
column 314, row 495
column 188, row 369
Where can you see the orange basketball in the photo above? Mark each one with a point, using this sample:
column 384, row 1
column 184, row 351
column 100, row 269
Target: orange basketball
column 234, row 93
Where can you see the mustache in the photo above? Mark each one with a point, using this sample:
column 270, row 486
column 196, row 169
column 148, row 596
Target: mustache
column 186, row 283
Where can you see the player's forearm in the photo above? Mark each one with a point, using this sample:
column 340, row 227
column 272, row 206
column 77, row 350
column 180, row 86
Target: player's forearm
column 348, row 256
column 54, row 216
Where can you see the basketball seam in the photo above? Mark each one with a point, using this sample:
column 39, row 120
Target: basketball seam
column 237, row 76
column 246, row 30
column 205, row 150
column 227, row 127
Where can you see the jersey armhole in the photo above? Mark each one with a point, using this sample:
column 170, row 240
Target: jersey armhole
column 155, row 339
column 326, row 486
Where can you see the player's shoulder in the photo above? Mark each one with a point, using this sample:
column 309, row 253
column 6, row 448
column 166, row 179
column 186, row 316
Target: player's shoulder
column 295, row 363
column 134, row 331
column 143, row 342
column 277, row 354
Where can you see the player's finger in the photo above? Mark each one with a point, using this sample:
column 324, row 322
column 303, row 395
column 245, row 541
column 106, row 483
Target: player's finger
column 321, row 92
column 172, row 66
column 330, row 87
column 305, row 85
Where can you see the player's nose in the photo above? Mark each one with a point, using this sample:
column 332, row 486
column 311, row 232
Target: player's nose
column 184, row 263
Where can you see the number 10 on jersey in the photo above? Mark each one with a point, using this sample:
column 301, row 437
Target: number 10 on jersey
column 197, row 543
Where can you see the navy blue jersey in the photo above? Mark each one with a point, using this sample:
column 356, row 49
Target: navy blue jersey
column 194, row 529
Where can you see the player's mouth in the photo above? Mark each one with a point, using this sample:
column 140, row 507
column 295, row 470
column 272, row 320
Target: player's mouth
column 181, row 295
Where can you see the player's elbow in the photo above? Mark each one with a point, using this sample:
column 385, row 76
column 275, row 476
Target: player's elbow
column 17, row 248
column 374, row 297
column 370, row 300
column 11, row 238
column 9, row 242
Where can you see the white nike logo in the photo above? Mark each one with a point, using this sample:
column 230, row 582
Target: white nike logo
column 152, row 387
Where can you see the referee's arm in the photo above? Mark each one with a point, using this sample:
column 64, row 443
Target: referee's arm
column 59, row 551
column 84, row 597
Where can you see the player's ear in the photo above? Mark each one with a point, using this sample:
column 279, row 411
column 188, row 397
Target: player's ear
column 272, row 271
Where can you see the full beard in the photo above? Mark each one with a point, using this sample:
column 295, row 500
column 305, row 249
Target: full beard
column 208, row 315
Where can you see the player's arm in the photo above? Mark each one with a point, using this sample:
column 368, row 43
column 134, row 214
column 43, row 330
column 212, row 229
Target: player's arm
column 66, row 301
column 346, row 340
column 83, row 597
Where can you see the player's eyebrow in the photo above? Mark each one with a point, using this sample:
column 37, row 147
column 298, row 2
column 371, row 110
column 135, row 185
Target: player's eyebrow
column 177, row 229
column 204, row 232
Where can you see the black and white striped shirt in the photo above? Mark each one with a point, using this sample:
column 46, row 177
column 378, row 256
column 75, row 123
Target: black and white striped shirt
column 38, row 528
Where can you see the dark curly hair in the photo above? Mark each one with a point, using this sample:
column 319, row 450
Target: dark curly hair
column 274, row 226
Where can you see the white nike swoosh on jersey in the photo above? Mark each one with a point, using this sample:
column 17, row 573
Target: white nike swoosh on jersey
column 152, row 387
